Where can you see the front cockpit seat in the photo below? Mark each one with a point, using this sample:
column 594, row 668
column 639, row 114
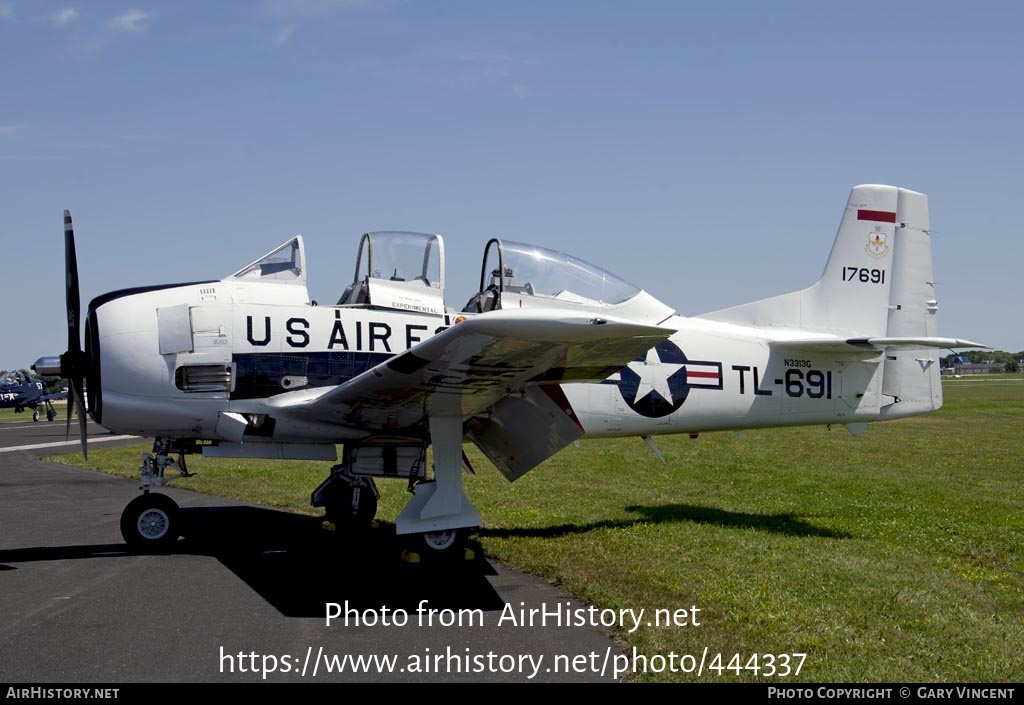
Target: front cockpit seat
column 355, row 294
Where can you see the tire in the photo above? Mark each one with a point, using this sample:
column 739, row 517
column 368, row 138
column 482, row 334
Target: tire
column 150, row 522
column 35, row 415
column 440, row 545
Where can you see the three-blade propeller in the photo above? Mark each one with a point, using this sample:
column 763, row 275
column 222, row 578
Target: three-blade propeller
column 73, row 363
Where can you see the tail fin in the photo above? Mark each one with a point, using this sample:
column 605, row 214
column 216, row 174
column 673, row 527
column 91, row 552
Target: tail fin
column 882, row 247
column 877, row 293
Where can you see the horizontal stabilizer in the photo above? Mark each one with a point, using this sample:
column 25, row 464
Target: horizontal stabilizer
column 878, row 344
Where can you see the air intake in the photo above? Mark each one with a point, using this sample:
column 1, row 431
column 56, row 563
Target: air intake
column 203, row 378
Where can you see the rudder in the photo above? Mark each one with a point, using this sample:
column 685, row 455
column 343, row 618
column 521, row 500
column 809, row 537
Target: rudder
column 911, row 381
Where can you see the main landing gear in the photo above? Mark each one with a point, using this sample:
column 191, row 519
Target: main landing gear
column 434, row 524
column 437, row 519
column 349, row 501
column 51, row 413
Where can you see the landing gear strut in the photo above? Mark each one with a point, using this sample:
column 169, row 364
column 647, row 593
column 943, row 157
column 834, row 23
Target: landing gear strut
column 439, row 517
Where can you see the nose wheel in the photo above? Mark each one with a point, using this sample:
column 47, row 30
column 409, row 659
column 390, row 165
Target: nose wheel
column 150, row 522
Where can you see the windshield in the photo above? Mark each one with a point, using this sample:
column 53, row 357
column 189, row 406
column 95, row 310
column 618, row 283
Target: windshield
column 538, row 271
column 285, row 264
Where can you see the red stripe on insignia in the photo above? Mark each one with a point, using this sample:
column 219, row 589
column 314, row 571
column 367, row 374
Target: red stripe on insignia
column 705, row 375
column 881, row 216
column 556, row 395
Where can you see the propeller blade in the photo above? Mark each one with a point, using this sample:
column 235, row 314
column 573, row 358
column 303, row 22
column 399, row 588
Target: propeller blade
column 78, row 396
column 73, row 362
column 71, row 412
column 71, row 284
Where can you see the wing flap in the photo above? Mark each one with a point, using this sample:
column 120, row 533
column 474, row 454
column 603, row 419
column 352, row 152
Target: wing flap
column 521, row 432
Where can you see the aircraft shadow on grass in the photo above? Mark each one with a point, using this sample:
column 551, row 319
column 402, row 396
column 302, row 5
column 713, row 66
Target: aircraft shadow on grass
column 784, row 523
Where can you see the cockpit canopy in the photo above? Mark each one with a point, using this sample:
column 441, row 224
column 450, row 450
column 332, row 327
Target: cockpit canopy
column 515, row 268
column 13, row 379
column 403, row 270
column 286, row 264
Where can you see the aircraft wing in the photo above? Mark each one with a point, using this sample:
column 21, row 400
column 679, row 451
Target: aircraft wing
column 53, row 396
column 472, row 365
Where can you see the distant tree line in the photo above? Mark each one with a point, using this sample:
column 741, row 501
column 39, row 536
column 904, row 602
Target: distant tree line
column 1010, row 362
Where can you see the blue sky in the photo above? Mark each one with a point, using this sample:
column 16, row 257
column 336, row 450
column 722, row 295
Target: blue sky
column 703, row 151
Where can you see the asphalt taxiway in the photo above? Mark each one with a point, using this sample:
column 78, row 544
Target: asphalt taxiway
column 244, row 596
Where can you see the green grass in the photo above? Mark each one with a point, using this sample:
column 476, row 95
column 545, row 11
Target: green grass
column 8, row 415
column 897, row 556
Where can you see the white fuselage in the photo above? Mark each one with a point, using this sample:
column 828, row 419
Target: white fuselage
column 236, row 352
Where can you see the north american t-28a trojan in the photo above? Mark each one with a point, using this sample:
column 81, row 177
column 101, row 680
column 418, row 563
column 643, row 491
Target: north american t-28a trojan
column 550, row 348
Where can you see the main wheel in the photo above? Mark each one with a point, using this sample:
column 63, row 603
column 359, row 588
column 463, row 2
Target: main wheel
column 447, row 544
column 35, row 415
column 440, row 541
column 150, row 522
